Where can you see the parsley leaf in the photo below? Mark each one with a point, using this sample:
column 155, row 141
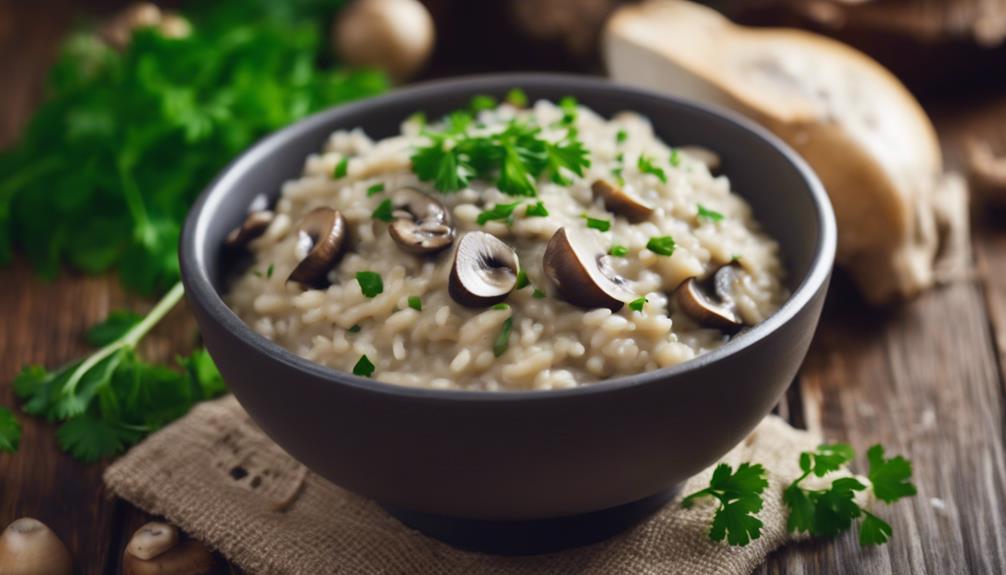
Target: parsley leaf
column 708, row 215
column 447, row 167
column 537, row 210
column 10, row 431
column 569, row 107
column 355, row 328
column 375, row 189
column 370, row 283
column 873, row 530
column 482, row 102
column 341, row 169
column 415, row 303
column 364, row 367
column 516, row 98
column 383, row 211
column 115, row 326
column 538, row 294
column 522, row 280
column 498, row 212
column 661, row 245
column 503, row 339
column 739, row 495
column 618, row 251
column 890, row 477
column 645, row 165
column 638, row 303
column 568, row 155
column 675, row 159
column 597, row 224
column 90, row 439
column 621, row 136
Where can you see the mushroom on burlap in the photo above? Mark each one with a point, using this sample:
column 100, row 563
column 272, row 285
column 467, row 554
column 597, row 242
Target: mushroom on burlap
column 902, row 223
column 155, row 549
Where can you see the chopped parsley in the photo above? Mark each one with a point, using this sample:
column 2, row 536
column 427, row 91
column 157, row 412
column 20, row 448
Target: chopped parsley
column 708, row 215
column 675, row 159
column 568, row 105
column 375, row 189
column 621, row 136
column 499, row 212
column 637, row 304
column 482, row 102
column 10, row 431
column 661, row 245
column 370, row 283
column 537, row 210
column 418, row 118
column 501, row 305
column 341, row 169
column 516, row 98
column 522, row 281
column 415, row 303
column 364, row 367
column 383, row 211
column 270, row 270
column 355, row 328
column 503, row 339
column 646, row 166
column 618, row 251
column 538, row 294
column 597, row 224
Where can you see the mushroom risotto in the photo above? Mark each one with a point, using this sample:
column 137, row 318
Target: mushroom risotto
column 505, row 248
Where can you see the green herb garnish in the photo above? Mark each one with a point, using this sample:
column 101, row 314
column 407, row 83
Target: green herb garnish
column 499, row 212
column 646, row 166
column 482, row 102
column 112, row 399
column 568, row 105
column 597, row 224
column 537, row 210
column 503, row 339
column 522, row 281
column 739, row 494
column 10, row 431
column 341, row 169
column 375, row 189
column 500, row 306
column 269, row 271
column 708, row 215
column 621, row 136
column 516, row 98
column 415, row 303
column 355, row 328
column 363, row 367
column 638, row 303
column 538, row 294
column 370, row 283
column 618, row 251
column 383, row 211
column 418, row 118
column 675, row 159
column 661, row 245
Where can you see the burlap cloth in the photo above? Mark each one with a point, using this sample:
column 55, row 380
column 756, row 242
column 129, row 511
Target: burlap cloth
column 217, row 476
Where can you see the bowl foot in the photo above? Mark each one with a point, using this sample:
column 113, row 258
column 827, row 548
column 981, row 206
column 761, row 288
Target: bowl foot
column 530, row 537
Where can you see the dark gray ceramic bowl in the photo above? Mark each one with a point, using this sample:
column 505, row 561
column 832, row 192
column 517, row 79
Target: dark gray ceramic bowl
column 521, row 455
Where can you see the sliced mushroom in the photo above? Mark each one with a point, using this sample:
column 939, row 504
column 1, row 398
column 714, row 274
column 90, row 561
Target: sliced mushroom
column 621, row 201
column 716, row 310
column 254, row 226
column 321, row 239
column 188, row 557
column 580, row 269
column 422, row 223
column 484, row 270
column 152, row 540
column 28, row 547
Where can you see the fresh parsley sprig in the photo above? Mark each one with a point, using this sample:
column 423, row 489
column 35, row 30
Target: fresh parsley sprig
column 10, row 431
column 112, row 399
column 739, row 495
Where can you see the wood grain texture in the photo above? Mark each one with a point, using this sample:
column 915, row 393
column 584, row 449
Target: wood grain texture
column 925, row 380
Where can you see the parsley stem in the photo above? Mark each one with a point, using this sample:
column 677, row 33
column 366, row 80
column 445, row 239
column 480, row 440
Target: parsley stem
column 134, row 200
column 128, row 339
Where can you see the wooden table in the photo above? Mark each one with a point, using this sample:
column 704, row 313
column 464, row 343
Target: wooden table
column 926, row 379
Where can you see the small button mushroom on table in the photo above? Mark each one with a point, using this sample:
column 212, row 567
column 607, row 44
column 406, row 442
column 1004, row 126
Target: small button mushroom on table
column 29, row 547
column 155, row 549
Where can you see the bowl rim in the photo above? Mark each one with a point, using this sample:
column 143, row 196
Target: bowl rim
column 195, row 275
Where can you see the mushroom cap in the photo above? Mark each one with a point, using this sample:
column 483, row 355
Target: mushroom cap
column 190, row 557
column 621, row 201
column 321, row 237
column 254, row 226
column 29, row 547
column 580, row 269
column 395, row 36
column 152, row 539
column 422, row 223
column 484, row 270
column 721, row 313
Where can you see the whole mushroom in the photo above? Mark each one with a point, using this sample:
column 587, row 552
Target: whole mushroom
column 156, row 550
column 28, row 547
column 395, row 36
column 581, row 271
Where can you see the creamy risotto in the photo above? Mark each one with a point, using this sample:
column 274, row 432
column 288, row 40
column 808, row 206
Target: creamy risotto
column 506, row 248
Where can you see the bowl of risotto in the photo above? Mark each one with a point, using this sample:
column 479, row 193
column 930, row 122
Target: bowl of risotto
column 510, row 298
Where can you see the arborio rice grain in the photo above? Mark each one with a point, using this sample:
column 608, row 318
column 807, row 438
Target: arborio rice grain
column 552, row 344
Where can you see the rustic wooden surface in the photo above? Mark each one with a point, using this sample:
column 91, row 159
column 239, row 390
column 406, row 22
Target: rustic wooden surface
column 926, row 380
